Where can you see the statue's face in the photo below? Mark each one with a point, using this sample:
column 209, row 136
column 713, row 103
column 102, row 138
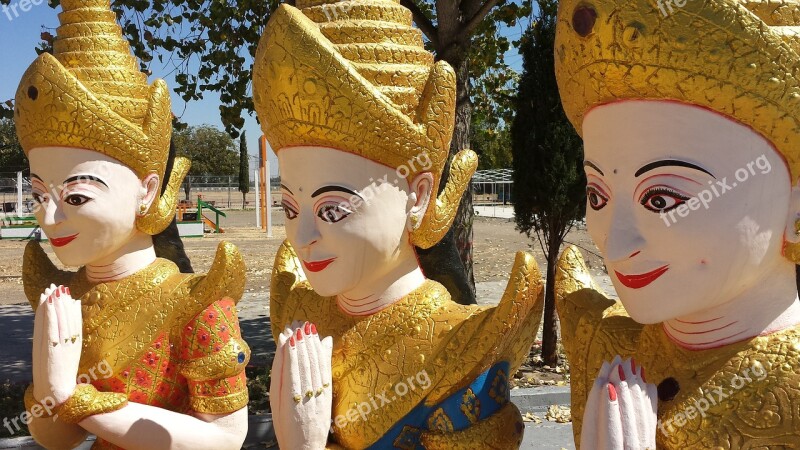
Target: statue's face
column 346, row 217
column 688, row 207
column 86, row 202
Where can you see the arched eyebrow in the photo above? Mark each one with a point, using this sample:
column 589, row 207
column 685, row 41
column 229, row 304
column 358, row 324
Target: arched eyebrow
column 284, row 187
column 85, row 178
column 671, row 162
column 593, row 166
column 333, row 188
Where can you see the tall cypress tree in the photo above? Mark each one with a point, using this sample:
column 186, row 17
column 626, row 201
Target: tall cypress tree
column 244, row 169
column 549, row 182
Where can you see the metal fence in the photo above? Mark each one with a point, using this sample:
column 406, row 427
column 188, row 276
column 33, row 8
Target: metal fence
column 219, row 190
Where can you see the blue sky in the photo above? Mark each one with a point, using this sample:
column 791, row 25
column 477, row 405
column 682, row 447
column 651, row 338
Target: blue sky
column 20, row 33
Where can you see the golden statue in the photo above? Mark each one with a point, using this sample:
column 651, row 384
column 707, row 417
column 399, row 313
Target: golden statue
column 691, row 126
column 143, row 355
column 361, row 119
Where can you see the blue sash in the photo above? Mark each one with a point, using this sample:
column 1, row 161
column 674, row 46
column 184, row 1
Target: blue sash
column 482, row 398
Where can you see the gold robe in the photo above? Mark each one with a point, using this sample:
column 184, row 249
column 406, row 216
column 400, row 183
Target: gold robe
column 742, row 395
column 170, row 340
column 425, row 332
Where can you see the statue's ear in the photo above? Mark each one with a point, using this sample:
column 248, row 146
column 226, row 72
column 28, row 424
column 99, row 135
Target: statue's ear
column 419, row 198
column 151, row 186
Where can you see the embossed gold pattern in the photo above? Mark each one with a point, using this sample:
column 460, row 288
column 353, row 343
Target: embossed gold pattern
column 715, row 54
column 502, row 431
column 426, row 330
column 86, row 401
column 355, row 76
column 762, row 413
column 171, row 340
column 91, row 94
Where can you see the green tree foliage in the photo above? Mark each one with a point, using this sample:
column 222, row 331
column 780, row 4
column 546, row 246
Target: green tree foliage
column 12, row 158
column 549, row 181
column 492, row 144
column 211, row 151
column 244, row 169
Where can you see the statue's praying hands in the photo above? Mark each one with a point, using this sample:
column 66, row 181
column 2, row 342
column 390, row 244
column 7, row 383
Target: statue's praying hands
column 57, row 343
column 301, row 392
column 621, row 409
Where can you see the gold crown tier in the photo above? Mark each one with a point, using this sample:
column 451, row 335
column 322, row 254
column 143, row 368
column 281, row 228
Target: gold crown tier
column 355, row 76
column 90, row 94
column 737, row 58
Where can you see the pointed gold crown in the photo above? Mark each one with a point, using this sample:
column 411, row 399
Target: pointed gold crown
column 738, row 58
column 90, row 94
column 355, row 76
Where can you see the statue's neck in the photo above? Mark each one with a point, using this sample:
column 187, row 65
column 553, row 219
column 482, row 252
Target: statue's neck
column 383, row 293
column 770, row 306
column 135, row 255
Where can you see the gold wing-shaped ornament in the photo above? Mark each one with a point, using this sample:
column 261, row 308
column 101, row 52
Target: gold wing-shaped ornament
column 594, row 328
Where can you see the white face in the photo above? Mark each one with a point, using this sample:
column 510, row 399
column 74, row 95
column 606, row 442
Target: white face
column 86, row 202
column 346, row 217
column 688, row 208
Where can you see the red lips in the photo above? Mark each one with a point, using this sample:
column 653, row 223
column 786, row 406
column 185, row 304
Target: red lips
column 640, row 281
column 60, row 242
column 317, row 266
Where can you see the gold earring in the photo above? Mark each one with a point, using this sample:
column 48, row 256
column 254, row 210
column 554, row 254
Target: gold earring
column 797, row 227
column 142, row 209
column 414, row 221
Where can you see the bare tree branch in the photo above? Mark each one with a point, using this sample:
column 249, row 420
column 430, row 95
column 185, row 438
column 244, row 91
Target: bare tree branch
column 423, row 22
column 478, row 17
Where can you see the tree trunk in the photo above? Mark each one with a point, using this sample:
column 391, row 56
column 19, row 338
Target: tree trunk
column 462, row 226
column 450, row 261
column 187, row 188
column 550, row 324
column 244, row 201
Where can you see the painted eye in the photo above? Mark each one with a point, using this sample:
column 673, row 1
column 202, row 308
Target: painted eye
column 333, row 212
column 289, row 210
column 38, row 198
column 596, row 199
column 662, row 199
column 76, row 199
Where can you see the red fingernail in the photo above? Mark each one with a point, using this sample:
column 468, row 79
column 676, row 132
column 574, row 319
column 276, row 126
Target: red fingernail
column 299, row 335
column 612, row 393
column 291, row 341
column 621, row 373
column 313, row 329
column 633, row 365
column 643, row 378
column 68, row 292
column 307, row 328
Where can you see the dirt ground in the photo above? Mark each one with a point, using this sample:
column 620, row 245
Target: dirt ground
column 495, row 242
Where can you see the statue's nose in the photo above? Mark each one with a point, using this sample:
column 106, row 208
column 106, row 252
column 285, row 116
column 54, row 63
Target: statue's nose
column 583, row 20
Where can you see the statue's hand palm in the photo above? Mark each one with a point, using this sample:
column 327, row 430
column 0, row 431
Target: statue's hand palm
column 621, row 409
column 301, row 393
column 57, row 344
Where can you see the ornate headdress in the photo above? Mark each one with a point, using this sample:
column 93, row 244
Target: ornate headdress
column 738, row 58
column 90, row 94
column 354, row 76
